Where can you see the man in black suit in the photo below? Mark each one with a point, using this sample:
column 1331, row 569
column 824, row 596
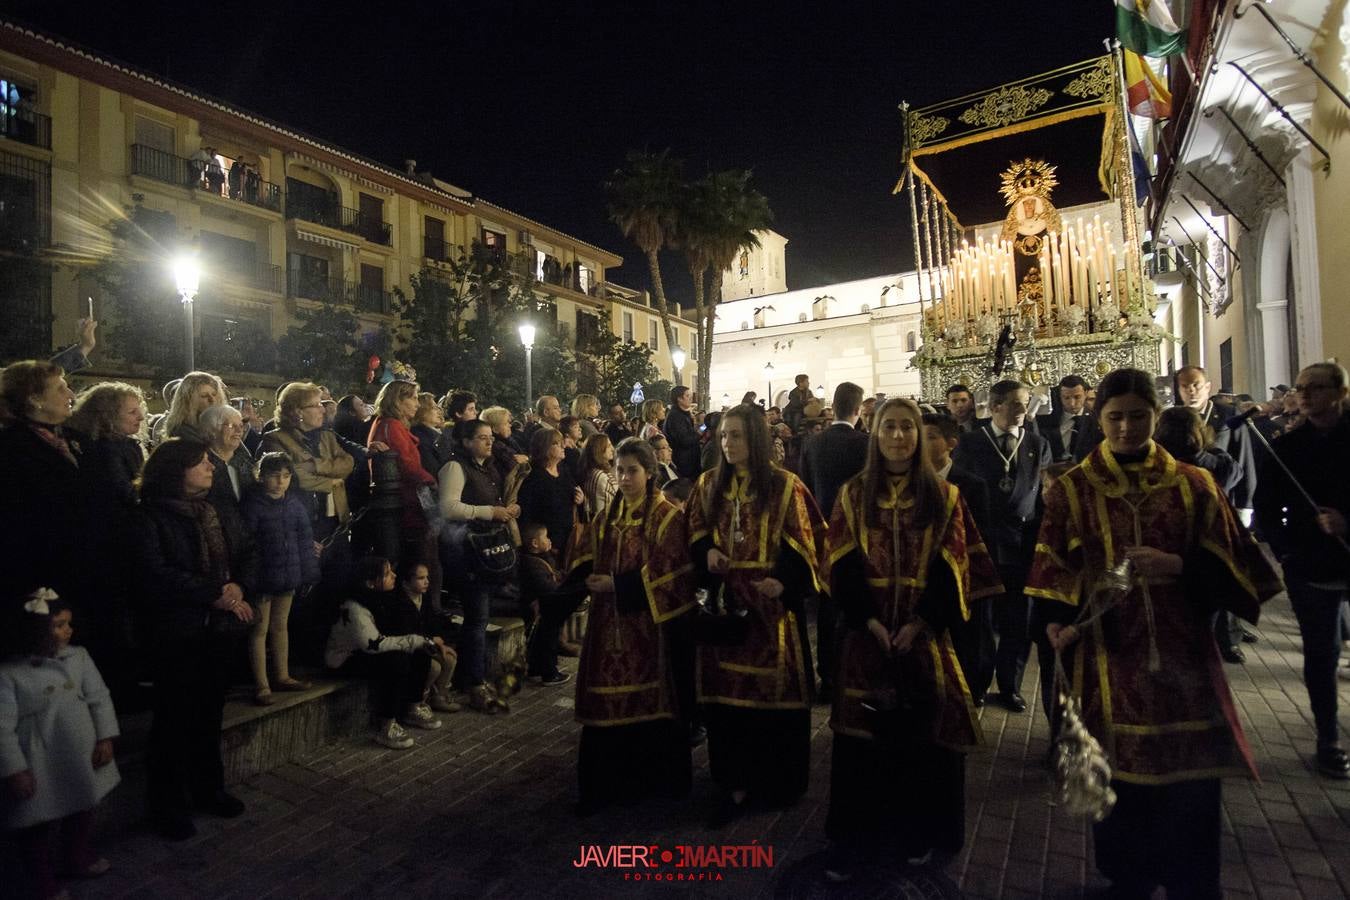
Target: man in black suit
column 829, row 459
column 1009, row 457
column 961, row 405
column 976, row 640
column 681, row 433
column 1070, row 430
column 1192, row 388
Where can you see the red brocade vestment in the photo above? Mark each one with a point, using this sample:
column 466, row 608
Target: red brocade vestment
column 768, row 670
column 897, row 559
column 624, row 675
column 1174, row 721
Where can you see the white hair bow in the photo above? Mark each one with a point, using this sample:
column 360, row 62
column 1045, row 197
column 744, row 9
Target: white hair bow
column 37, row 601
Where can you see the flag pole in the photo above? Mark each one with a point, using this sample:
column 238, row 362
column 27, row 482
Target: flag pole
column 1134, row 260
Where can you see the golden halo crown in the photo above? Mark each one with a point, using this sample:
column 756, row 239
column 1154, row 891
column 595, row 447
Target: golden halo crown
column 1026, row 178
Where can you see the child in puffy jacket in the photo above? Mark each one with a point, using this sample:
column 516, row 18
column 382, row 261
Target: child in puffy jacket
column 289, row 557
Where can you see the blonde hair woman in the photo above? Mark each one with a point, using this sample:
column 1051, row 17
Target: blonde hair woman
column 196, row 392
column 321, row 464
column 653, row 412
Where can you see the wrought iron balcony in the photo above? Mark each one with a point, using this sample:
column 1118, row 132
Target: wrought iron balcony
column 338, row 291
column 27, row 127
column 170, row 169
column 434, row 248
column 263, row 276
column 322, row 212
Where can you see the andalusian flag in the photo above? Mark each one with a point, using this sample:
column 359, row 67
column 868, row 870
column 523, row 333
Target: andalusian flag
column 1146, row 93
column 1146, row 27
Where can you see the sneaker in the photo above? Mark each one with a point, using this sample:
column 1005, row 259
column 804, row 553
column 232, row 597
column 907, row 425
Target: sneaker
column 555, row 679
column 393, row 736
column 419, row 715
column 439, row 702
column 1333, row 763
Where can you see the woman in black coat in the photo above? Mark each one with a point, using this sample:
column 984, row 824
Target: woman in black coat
column 106, row 429
column 39, row 483
column 195, row 565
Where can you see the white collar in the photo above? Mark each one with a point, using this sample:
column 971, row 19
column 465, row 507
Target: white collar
column 999, row 432
column 842, row 422
column 942, row 472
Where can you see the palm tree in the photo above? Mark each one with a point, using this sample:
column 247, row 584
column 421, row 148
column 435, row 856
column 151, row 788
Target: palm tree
column 643, row 199
column 734, row 212
column 693, row 234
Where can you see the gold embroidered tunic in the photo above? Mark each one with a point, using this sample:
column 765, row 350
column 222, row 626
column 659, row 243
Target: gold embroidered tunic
column 896, row 580
column 769, row 669
column 624, row 675
column 1173, row 720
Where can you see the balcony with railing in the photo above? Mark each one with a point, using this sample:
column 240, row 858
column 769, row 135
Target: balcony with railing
column 338, row 291
column 342, row 218
column 261, row 276
column 26, row 126
column 170, row 169
column 436, row 249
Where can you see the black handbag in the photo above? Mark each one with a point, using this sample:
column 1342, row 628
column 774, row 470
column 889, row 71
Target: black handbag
column 491, row 554
column 719, row 627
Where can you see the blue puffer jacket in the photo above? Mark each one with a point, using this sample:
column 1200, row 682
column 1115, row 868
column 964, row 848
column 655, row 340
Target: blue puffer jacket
column 284, row 539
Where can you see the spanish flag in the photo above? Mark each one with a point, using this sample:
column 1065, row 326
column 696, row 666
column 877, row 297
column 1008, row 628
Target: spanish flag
column 1144, row 90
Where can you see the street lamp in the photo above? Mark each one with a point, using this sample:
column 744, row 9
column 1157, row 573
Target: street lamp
column 768, row 376
column 527, row 339
column 677, row 358
column 820, row 392
column 726, row 402
column 187, row 274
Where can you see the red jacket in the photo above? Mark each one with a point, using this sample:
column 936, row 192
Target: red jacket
column 412, row 475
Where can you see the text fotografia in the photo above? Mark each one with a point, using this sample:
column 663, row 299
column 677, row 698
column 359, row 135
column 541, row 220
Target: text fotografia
column 638, row 860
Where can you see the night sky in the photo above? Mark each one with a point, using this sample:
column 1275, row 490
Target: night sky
column 532, row 105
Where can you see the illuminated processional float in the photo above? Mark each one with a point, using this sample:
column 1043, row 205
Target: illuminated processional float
column 1049, row 290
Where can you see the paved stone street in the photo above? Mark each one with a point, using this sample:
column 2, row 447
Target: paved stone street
column 483, row 808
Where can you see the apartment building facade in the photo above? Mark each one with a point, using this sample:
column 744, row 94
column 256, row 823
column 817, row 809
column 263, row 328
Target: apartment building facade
column 281, row 221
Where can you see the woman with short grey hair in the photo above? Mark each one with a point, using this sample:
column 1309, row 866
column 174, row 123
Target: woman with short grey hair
column 223, row 429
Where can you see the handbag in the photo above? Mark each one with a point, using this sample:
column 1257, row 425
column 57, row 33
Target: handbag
column 490, row 552
column 900, row 710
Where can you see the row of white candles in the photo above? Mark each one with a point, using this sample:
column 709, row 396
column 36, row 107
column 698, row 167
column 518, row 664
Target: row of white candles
column 1079, row 266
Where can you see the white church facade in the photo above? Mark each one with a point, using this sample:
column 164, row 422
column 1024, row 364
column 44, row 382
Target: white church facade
column 864, row 331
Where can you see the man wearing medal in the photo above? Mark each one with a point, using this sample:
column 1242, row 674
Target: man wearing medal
column 1009, row 457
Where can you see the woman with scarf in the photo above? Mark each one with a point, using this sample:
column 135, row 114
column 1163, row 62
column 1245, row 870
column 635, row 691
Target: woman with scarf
column 756, row 534
column 634, row 556
column 195, row 565
column 40, row 499
column 1138, row 643
column 906, row 561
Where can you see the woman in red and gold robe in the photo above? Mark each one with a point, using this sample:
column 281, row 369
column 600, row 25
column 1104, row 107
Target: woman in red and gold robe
column 635, row 559
column 1147, row 671
column 906, row 562
column 755, row 533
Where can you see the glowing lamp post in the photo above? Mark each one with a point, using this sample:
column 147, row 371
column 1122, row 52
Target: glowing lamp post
column 820, row 392
column 677, row 359
column 187, row 275
column 527, row 339
column 768, row 377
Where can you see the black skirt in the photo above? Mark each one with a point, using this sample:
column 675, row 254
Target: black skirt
column 624, row 763
column 905, row 795
column 765, row 752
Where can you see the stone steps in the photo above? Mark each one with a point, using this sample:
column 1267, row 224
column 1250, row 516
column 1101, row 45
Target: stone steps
column 256, row 739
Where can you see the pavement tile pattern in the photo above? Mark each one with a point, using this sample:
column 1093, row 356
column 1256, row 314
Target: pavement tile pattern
column 483, row 808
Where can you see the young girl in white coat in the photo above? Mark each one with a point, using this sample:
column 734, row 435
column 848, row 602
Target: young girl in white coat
column 57, row 726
